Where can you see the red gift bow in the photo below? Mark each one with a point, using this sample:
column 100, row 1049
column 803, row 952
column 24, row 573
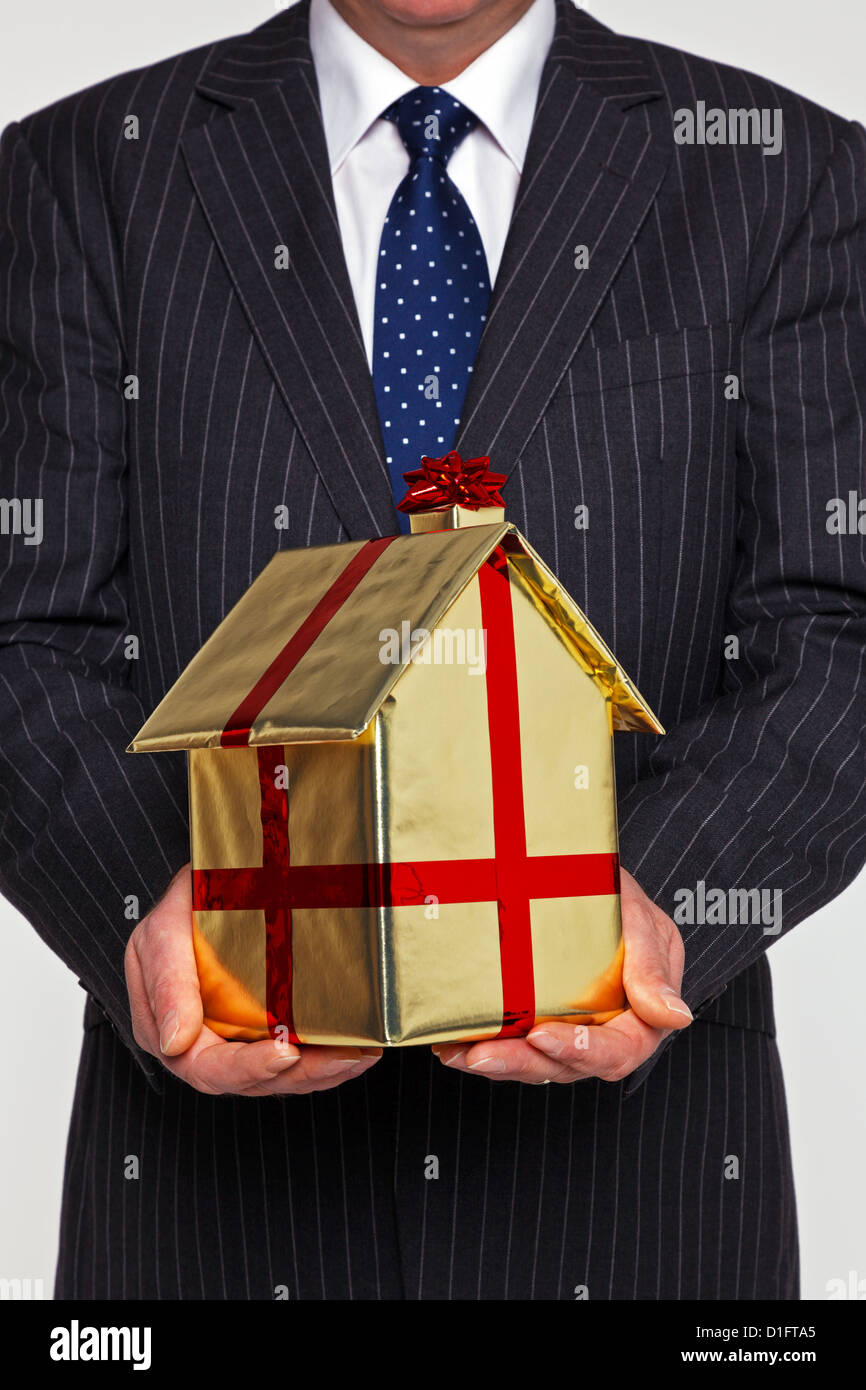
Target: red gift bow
column 452, row 482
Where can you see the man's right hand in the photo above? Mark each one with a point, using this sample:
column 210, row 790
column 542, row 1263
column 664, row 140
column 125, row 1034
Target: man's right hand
column 168, row 1021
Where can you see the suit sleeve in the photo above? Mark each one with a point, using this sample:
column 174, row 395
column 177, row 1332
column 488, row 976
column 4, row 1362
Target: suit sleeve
column 84, row 827
column 763, row 788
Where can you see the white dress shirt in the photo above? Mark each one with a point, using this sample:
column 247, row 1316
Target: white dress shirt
column 369, row 160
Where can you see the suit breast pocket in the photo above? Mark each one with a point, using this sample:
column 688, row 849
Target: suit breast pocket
column 656, row 385
column 642, row 434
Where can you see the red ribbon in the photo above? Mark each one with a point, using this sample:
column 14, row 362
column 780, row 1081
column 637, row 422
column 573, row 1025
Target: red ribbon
column 452, row 482
column 236, row 733
column 512, row 878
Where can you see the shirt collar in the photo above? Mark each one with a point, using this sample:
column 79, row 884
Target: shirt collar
column 357, row 83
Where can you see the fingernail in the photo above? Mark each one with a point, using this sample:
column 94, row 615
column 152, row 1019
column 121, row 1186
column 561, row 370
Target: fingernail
column 340, row 1064
column 169, row 1030
column 355, row 1068
column 282, row 1060
column 371, row 1051
column 676, row 1005
column 449, row 1061
column 487, row 1064
column 546, row 1042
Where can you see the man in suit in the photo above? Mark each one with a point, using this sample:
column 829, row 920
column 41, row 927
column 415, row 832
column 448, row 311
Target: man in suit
column 658, row 334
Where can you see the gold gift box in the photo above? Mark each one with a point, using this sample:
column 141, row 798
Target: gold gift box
column 402, row 803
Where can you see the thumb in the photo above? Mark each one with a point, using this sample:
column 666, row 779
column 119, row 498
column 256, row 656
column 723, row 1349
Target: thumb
column 652, row 969
column 166, row 958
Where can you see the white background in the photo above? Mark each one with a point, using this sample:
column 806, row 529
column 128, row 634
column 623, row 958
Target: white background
column 59, row 46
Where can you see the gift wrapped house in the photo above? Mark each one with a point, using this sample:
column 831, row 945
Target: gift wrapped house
column 402, row 804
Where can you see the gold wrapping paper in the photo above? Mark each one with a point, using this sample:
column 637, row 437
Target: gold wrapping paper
column 389, row 763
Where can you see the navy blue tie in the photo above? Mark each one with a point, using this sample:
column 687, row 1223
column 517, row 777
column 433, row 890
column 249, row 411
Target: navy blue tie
column 432, row 289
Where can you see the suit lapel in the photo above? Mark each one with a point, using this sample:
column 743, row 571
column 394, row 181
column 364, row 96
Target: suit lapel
column 261, row 173
column 596, row 157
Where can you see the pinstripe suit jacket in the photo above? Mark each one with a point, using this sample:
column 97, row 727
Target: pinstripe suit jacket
column 163, row 388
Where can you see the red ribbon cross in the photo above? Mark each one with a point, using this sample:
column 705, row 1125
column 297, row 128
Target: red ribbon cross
column 512, row 878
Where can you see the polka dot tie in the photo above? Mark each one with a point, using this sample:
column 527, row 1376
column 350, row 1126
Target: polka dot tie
column 432, row 290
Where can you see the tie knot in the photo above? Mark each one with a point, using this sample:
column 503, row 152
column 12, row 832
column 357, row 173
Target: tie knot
column 431, row 122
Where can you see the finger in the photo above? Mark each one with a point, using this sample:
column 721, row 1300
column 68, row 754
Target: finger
column 322, row 1060
column 163, row 946
column 144, row 1029
column 500, row 1060
column 218, row 1067
column 315, row 1074
column 517, row 1059
column 609, row 1051
column 329, row 1066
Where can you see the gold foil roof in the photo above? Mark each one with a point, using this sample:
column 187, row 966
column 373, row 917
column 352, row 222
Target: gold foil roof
column 339, row 684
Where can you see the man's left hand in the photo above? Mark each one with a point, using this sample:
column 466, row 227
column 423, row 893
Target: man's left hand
column 652, row 975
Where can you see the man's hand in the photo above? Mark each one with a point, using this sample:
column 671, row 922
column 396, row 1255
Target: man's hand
column 652, row 973
column 167, row 1018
